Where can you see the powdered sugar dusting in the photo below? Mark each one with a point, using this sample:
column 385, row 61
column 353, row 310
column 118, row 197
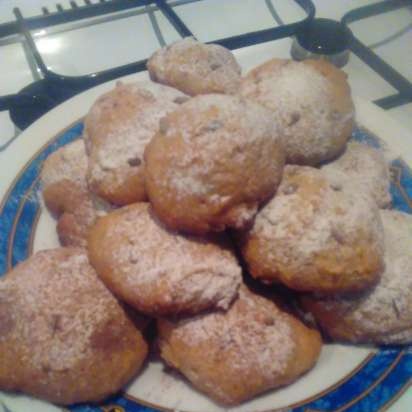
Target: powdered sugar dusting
column 58, row 303
column 365, row 168
column 80, row 207
column 302, row 101
column 253, row 333
column 194, row 270
column 398, row 338
column 244, row 215
column 213, row 127
column 68, row 162
column 303, row 225
column 190, row 184
column 119, row 147
column 387, row 308
column 195, row 67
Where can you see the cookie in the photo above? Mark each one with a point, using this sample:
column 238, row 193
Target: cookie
column 312, row 102
column 160, row 272
column 315, row 236
column 195, row 68
column 117, row 128
column 214, row 160
column 63, row 336
column 384, row 313
column 364, row 168
column 65, row 193
column 235, row 355
column 68, row 162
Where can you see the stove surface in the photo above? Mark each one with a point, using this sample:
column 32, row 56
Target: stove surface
column 65, row 52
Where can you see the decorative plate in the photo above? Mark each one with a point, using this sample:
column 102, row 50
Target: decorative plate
column 346, row 378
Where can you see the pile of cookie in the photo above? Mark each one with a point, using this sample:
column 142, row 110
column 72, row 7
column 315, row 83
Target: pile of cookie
column 177, row 184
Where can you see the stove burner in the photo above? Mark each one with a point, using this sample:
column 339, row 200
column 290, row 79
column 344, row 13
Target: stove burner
column 323, row 38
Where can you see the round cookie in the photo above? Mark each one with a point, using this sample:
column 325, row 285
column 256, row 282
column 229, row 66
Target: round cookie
column 384, row 313
column 117, row 129
column 160, row 272
column 235, row 355
column 315, row 236
column 213, row 162
column 65, row 193
column 63, row 336
column 77, row 213
column 68, row 162
column 312, row 102
column 195, row 68
column 365, row 168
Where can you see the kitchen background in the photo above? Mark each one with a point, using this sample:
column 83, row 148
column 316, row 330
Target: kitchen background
column 133, row 34
column 94, row 44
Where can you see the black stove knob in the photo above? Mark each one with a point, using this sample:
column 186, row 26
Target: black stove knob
column 322, row 39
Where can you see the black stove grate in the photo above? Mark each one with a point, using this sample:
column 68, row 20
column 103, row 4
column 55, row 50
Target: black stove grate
column 39, row 97
column 366, row 54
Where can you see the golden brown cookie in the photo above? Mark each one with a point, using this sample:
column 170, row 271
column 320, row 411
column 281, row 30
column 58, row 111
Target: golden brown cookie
column 315, row 236
column 64, row 337
column 213, row 162
column 195, row 68
column 65, row 193
column 117, row 129
column 312, row 102
column 235, row 355
column 160, row 272
column 68, row 162
column 384, row 313
column 365, row 168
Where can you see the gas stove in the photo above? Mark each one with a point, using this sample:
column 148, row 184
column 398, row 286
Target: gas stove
column 53, row 51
